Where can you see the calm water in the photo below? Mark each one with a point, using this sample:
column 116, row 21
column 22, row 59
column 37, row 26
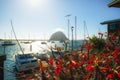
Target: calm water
column 11, row 51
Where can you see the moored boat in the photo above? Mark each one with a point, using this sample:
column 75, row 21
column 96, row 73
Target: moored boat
column 43, row 43
column 8, row 43
column 25, row 62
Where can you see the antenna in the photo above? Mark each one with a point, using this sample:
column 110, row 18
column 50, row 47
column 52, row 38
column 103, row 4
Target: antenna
column 16, row 37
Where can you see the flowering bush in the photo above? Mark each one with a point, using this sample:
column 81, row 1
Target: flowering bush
column 102, row 66
column 105, row 65
column 84, row 66
column 98, row 44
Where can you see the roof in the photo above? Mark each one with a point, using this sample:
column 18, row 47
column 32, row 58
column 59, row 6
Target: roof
column 110, row 21
column 114, row 3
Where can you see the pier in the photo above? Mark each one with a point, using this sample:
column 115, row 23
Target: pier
column 2, row 59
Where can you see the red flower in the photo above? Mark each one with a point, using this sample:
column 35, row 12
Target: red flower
column 57, row 72
column 117, row 60
column 108, row 44
column 99, row 33
column 110, row 75
column 58, row 69
column 88, row 47
column 72, row 64
column 113, row 37
column 90, row 61
column 85, row 76
column 92, row 56
column 90, row 68
column 84, row 57
column 116, row 51
column 50, row 61
column 119, row 74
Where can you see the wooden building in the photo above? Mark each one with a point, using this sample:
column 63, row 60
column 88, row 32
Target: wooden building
column 113, row 27
column 114, row 3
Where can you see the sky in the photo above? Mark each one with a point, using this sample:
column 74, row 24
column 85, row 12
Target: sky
column 39, row 19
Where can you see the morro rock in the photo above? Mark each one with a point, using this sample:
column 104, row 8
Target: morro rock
column 58, row 36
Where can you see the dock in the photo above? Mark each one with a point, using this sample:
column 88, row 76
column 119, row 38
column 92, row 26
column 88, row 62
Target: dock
column 2, row 59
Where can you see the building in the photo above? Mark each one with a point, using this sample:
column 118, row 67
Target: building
column 113, row 26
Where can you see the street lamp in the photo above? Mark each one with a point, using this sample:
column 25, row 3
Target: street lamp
column 72, row 36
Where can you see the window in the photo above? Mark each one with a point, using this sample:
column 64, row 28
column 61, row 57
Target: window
column 112, row 26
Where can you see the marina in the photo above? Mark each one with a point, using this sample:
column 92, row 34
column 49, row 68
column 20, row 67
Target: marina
column 12, row 50
column 59, row 40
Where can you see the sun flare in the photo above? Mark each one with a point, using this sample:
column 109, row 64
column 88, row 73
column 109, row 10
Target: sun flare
column 34, row 3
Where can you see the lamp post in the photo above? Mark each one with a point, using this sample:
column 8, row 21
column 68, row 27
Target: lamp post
column 72, row 36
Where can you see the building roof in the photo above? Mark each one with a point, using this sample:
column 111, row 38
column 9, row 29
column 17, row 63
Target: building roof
column 114, row 3
column 58, row 36
column 110, row 21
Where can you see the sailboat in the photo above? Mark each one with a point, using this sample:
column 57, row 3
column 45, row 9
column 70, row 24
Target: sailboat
column 8, row 42
column 44, row 42
column 25, row 61
column 27, row 41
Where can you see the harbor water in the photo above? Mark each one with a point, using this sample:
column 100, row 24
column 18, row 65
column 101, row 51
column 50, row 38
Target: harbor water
column 11, row 51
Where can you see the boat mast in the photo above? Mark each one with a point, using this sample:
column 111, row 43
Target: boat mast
column 85, row 29
column 11, row 35
column 75, row 30
column 16, row 37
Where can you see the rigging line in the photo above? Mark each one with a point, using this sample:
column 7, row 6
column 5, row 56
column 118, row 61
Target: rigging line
column 16, row 37
column 85, row 26
column 86, row 29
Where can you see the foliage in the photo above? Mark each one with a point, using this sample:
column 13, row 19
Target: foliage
column 98, row 44
column 102, row 66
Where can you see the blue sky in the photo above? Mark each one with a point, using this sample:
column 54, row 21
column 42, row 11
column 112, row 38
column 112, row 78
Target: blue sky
column 39, row 19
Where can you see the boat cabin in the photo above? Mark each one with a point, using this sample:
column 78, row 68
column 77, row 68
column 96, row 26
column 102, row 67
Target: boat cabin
column 25, row 62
